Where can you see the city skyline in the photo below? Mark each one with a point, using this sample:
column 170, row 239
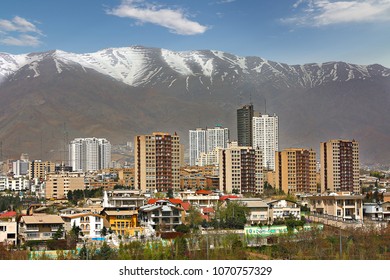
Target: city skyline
column 294, row 31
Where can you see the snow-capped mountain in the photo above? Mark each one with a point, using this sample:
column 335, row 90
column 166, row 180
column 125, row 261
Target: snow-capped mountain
column 118, row 93
column 140, row 66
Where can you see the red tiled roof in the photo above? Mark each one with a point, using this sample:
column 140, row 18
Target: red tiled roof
column 208, row 210
column 175, row 200
column 224, row 197
column 171, row 200
column 152, row 200
column 8, row 214
column 205, row 217
column 185, row 205
column 203, row 192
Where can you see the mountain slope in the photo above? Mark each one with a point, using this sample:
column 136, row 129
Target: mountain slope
column 118, row 93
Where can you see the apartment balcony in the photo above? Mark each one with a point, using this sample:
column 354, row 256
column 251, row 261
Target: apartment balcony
column 30, row 229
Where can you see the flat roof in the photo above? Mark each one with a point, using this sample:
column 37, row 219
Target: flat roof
column 43, row 219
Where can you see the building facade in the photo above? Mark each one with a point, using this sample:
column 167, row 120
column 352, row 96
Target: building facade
column 89, row 154
column 204, row 142
column 161, row 215
column 39, row 227
column 58, row 185
column 266, row 138
column 197, row 143
column 157, row 162
column 340, row 166
column 244, row 125
column 38, row 169
column 295, row 171
column 341, row 206
column 217, row 137
column 240, row 170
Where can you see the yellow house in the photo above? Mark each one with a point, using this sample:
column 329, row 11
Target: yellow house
column 123, row 222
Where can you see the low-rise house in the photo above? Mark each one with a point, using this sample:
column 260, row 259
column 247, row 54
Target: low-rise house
column 161, row 215
column 39, row 227
column 8, row 228
column 91, row 225
column 282, row 208
column 208, row 213
column 386, row 211
column 343, row 206
column 70, row 211
column 368, row 181
column 386, row 197
column 123, row 199
column 202, row 198
column 18, row 183
column 123, row 221
column 95, row 201
column 373, row 211
column 258, row 209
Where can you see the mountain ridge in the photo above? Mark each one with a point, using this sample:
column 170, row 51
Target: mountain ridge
column 134, row 66
column 176, row 91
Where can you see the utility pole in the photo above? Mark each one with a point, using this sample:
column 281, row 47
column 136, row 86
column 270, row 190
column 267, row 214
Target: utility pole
column 341, row 244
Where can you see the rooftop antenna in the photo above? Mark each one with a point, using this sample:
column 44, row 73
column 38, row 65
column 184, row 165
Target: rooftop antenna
column 65, row 144
column 41, row 146
column 250, row 98
column 265, row 106
column 1, row 150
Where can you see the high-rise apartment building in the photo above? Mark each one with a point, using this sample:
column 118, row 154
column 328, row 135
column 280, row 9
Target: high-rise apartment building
column 157, row 162
column 38, row 169
column 295, row 171
column 89, row 154
column 59, row 184
column 240, row 170
column 266, row 138
column 197, row 143
column 204, row 141
column 244, row 125
column 217, row 137
column 340, row 166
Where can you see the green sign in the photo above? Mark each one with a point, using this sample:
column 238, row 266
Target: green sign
column 275, row 230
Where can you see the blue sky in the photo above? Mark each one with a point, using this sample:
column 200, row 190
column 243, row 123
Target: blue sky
column 290, row 31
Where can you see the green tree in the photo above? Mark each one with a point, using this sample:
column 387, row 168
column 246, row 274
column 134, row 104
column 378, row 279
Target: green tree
column 234, row 215
column 83, row 254
column 105, row 253
column 182, row 228
column 170, row 193
column 194, row 217
column 59, row 233
column 104, row 231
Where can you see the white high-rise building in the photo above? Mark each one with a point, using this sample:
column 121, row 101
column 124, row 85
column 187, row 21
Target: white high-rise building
column 197, row 144
column 266, row 138
column 89, row 154
column 217, row 137
column 205, row 141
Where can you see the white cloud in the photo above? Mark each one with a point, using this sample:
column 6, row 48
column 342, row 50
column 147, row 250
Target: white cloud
column 21, row 40
column 19, row 32
column 176, row 20
column 326, row 12
column 225, row 1
column 18, row 24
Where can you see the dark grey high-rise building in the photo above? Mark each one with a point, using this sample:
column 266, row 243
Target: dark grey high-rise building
column 244, row 125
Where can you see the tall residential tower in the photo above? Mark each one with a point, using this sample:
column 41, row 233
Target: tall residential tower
column 266, row 138
column 89, row 154
column 244, row 125
column 157, row 162
column 340, row 166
